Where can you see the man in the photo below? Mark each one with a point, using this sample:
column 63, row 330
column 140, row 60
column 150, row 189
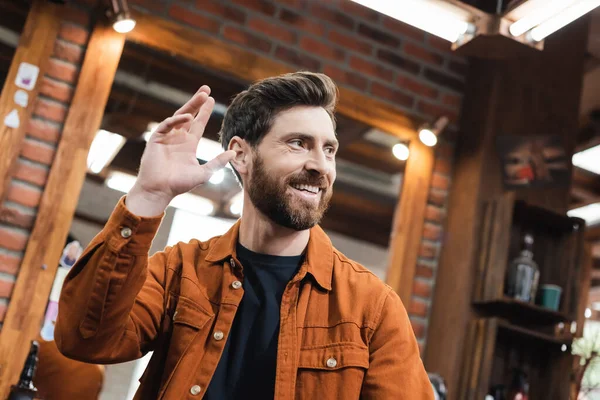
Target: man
column 270, row 309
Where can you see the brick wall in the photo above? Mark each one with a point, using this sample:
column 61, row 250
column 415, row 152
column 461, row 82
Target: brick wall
column 18, row 210
column 358, row 48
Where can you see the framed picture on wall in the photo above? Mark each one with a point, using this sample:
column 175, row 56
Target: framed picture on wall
column 533, row 161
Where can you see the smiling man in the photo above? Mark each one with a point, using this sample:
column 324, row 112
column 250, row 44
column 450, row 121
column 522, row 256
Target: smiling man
column 270, row 309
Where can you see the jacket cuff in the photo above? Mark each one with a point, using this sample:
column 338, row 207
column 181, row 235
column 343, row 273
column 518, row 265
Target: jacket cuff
column 125, row 229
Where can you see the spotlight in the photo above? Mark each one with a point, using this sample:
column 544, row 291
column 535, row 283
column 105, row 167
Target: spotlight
column 401, row 151
column 120, row 16
column 429, row 133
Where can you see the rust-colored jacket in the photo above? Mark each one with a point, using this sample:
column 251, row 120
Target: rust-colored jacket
column 344, row 334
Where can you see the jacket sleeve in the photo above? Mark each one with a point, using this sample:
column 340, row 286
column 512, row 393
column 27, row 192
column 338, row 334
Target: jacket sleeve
column 395, row 367
column 112, row 301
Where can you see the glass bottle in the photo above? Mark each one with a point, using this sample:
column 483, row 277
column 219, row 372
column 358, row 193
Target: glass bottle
column 523, row 274
column 24, row 390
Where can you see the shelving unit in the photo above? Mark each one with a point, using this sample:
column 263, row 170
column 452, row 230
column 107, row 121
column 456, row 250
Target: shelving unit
column 505, row 333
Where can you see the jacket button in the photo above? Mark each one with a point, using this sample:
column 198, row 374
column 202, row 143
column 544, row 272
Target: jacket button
column 232, row 262
column 332, row 362
column 126, row 232
column 195, row 390
column 218, row 335
column 236, row 284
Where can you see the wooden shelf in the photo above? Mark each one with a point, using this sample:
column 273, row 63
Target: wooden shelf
column 520, row 311
column 519, row 330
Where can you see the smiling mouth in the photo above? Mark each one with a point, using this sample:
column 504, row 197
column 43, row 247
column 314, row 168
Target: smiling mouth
column 307, row 192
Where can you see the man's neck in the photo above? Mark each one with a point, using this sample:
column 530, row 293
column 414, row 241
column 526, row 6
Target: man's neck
column 261, row 235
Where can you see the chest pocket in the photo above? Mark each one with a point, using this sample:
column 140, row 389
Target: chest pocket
column 333, row 371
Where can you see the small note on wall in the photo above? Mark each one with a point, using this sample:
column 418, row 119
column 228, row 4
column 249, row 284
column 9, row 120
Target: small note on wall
column 12, row 119
column 27, row 76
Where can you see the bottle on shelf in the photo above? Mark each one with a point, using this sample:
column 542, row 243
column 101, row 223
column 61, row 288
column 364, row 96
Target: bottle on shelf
column 519, row 389
column 523, row 274
column 24, row 389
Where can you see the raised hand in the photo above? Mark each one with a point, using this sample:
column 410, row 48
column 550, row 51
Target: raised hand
column 169, row 166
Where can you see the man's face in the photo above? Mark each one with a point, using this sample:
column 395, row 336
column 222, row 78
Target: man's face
column 293, row 168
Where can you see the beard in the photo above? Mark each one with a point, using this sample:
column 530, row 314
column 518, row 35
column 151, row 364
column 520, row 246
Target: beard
column 271, row 197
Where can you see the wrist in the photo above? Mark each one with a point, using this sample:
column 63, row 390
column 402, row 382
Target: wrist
column 146, row 204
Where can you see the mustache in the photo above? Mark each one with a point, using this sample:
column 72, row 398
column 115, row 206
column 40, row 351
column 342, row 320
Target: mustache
column 306, row 178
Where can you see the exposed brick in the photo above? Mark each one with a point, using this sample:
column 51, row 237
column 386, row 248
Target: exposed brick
column 336, row 17
column 50, row 110
column 3, row 309
column 62, row 71
column 419, row 52
column 440, row 44
column 12, row 216
column 6, row 288
column 416, row 87
column 28, row 196
column 73, row 33
column 345, row 77
column 155, row 6
column 68, row 52
column 191, row 18
column 442, row 166
column 36, row 151
column 458, row 68
column 43, row 130
column 444, row 80
column 371, row 68
column 418, row 308
column 418, row 328
column 424, row 271
column 301, row 22
column 297, row 4
column 360, row 11
column 272, row 30
column 434, row 214
column 378, row 36
column 350, row 42
column 432, row 231
column 33, row 174
column 261, row 6
column 427, row 251
column 322, row 49
column 216, row 8
column 75, row 15
column 395, row 96
column 439, row 181
column 403, row 29
column 436, row 111
column 396, row 60
column 9, row 264
column 437, row 197
column 444, row 149
column 301, row 60
column 422, row 289
column 56, row 90
column 12, row 240
column 451, row 100
column 247, row 39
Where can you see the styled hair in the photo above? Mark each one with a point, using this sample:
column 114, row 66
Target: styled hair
column 252, row 112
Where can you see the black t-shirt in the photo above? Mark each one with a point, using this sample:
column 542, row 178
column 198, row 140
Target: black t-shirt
column 246, row 369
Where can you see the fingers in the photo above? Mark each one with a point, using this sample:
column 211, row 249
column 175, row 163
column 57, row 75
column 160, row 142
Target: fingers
column 195, row 102
column 219, row 161
column 172, row 122
column 199, row 123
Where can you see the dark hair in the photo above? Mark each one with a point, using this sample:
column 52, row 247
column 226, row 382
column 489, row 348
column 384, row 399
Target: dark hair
column 251, row 113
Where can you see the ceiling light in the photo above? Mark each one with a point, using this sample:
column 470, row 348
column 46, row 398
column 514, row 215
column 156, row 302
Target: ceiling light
column 103, row 150
column 193, row 203
column 588, row 159
column 120, row 181
column 437, row 17
column 589, row 213
column 236, row 205
column 428, row 134
column 121, row 17
column 150, row 130
column 533, row 12
column 562, row 18
column 588, row 313
column 217, row 177
column 401, row 151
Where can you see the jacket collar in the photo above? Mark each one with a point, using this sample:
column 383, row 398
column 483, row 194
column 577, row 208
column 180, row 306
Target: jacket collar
column 319, row 253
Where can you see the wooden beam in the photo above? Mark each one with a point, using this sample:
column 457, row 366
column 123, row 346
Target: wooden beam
column 178, row 40
column 592, row 233
column 407, row 228
column 35, row 47
column 58, row 204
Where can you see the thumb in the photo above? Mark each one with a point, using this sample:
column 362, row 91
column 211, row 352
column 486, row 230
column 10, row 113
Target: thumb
column 219, row 161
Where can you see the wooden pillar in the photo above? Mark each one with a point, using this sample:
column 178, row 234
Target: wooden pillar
column 55, row 213
column 533, row 94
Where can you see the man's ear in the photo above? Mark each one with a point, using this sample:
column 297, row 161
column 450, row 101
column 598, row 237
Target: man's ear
column 243, row 155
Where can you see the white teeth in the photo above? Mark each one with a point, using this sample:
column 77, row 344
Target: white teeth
column 312, row 189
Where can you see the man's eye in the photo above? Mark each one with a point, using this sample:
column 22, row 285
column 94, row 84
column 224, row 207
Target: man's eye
column 330, row 150
column 296, row 142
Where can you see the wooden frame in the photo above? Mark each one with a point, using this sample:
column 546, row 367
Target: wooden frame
column 405, row 242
